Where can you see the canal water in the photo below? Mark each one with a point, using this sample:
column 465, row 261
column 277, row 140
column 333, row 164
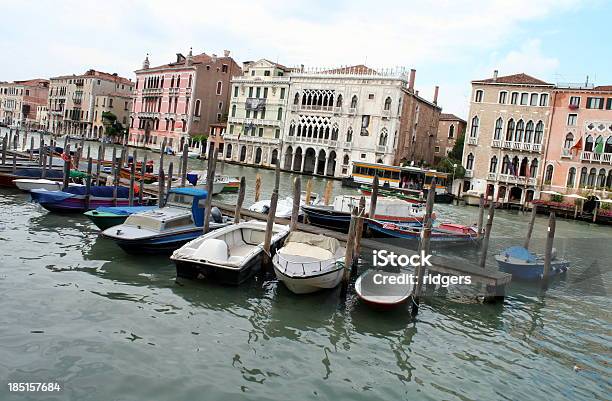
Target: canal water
column 76, row 310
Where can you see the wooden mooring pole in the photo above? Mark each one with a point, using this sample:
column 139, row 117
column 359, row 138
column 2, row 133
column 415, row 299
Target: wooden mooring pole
column 4, row 144
column 142, row 179
column 359, row 226
column 349, row 254
column 210, row 179
column 257, row 188
column 271, row 217
column 295, row 210
column 534, row 212
column 170, row 170
column 550, row 239
column 424, row 246
column 115, row 172
column 132, row 178
column 184, row 165
column 373, row 198
column 98, row 165
column 66, row 167
column 32, row 147
column 241, row 193
column 160, row 190
column 485, row 242
column 88, row 183
column 481, row 206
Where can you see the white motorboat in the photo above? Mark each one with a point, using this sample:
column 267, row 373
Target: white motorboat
column 309, row 262
column 193, row 154
column 198, row 178
column 230, row 255
column 28, row 184
column 472, row 197
column 284, row 207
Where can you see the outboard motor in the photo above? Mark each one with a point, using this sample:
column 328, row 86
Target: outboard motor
column 265, row 209
column 216, row 215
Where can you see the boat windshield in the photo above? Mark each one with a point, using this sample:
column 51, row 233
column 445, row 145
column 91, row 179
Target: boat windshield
column 144, row 221
column 179, row 200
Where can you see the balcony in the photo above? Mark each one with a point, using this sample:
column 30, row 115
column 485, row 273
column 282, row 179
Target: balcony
column 315, row 107
column 254, row 121
column 565, row 152
column 472, row 141
column 337, row 110
column 148, row 114
column 174, row 91
column 521, row 146
column 492, row 176
column 593, row 157
column 152, row 91
column 497, row 143
column 312, row 141
column 469, row 173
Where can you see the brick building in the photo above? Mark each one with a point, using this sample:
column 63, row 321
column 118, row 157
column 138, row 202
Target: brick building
column 450, row 128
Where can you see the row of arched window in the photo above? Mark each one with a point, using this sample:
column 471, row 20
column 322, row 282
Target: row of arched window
column 523, row 98
column 323, row 132
column 326, row 99
column 519, row 131
column 589, row 178
column 590, row 144
column 259, row 114
column 515, row 166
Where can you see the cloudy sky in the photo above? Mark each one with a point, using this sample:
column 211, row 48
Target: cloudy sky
column 448, row 42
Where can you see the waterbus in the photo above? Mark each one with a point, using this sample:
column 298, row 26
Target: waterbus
column 407, row 179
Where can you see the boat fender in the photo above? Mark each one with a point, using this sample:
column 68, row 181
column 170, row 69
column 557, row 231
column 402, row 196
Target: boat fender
column 216, row 215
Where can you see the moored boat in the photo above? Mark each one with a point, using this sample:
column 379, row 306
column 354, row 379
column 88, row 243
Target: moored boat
column 338, row 215
column 7, row 178
column 73, row 199
column 162, row 230
column 524, row 265
column 28, row 184
column 309, row 262
column 443, row 233
column 230, row 255
column 381, row 294
column 284, row 207
column 110, row 216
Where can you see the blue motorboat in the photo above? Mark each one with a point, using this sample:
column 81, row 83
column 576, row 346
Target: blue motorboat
column 163, row 230
column 524, row 265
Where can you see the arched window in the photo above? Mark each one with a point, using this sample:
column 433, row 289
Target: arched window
column 478, row 96
column 354, row 102
column 510, row 130
column 533, row 169
column 346, row 160
column 505, row 165
column 219, row 87
column 529, row 132
column 609, row 180
column 228, row 151
column 349, row 134
column 549, row 174
column 588, row 144
column 296, row 99
column 334, row 134
column 279, row 114
column 178, row 81
column 499, row 126
column 263, row 113
column 493, row 165
column 451, row 131
column 474, row 129
column 583, row 177
column 233, row 110
column 388, row 103
column 601, row 178
column 608, row 148
column 591, row 179
column 571, row 177
column 470, row 162
column 520, row 129
column 382, row 140
column 539, row 132
column 339, row 101
column 196, row 110
column 292, row 129
column 569, row 141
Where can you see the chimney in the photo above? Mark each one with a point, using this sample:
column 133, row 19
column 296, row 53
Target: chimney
column 416, row 93
column 495, row 75
column 435, row 99
column 226, row 53
column 190, row 57
column 411, row 80
column 179, row 57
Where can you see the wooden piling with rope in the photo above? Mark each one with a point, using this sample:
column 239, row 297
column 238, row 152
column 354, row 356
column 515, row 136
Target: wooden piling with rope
column 485, row 242
column 271, row 216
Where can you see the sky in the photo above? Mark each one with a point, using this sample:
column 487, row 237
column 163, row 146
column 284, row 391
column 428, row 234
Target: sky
column 448, row 42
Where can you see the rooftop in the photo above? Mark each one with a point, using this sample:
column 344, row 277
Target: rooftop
column 450, row 117
column 515, row 79
column 98, row 74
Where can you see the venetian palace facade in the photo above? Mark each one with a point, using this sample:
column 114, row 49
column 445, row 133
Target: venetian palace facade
column 21, row 101
column 72, row 101
column 185, row 98
column 509, row 122
column 318, row 121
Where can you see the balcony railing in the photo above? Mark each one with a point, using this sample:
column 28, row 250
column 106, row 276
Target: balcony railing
column 596, row 157
column 492, row 176
column 319, row 141
column 315, row 107
column 523, row 146
column 472, row 141
column 352, row 111
column 497, row 143
column 148, row 114
column 573, row 106
column 338, row 110
column 254, row 121
column 152, row 91
column 566, row 152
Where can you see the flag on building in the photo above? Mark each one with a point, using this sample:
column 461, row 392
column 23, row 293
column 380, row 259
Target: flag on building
column 599, row 145
column 576, row 148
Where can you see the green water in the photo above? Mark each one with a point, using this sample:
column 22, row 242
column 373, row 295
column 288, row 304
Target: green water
column 76, row 310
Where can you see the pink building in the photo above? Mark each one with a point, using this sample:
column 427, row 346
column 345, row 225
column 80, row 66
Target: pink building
column 579, row 150
column 182, row 99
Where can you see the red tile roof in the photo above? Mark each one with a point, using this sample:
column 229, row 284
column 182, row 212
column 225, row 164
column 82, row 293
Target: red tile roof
column 451, row 117
column 516, row 79
column 33, row 82
column 603, row 88
column 99, row 74
column 197, row 59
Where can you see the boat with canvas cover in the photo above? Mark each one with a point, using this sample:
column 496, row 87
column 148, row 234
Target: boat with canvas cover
column 162, row 230
column 7, row 178
column 230, row 255
column 28, row 184
column 524, row 265
column 338, row 215
column 309, row 262
column 73, row 198
column 110, row 216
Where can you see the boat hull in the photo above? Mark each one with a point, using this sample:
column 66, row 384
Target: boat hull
column 383, row 229
column 340, row 221
column 163, row 244
column 312, row 283
column 223, row 275
column 531, row 272
column 105, row 220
